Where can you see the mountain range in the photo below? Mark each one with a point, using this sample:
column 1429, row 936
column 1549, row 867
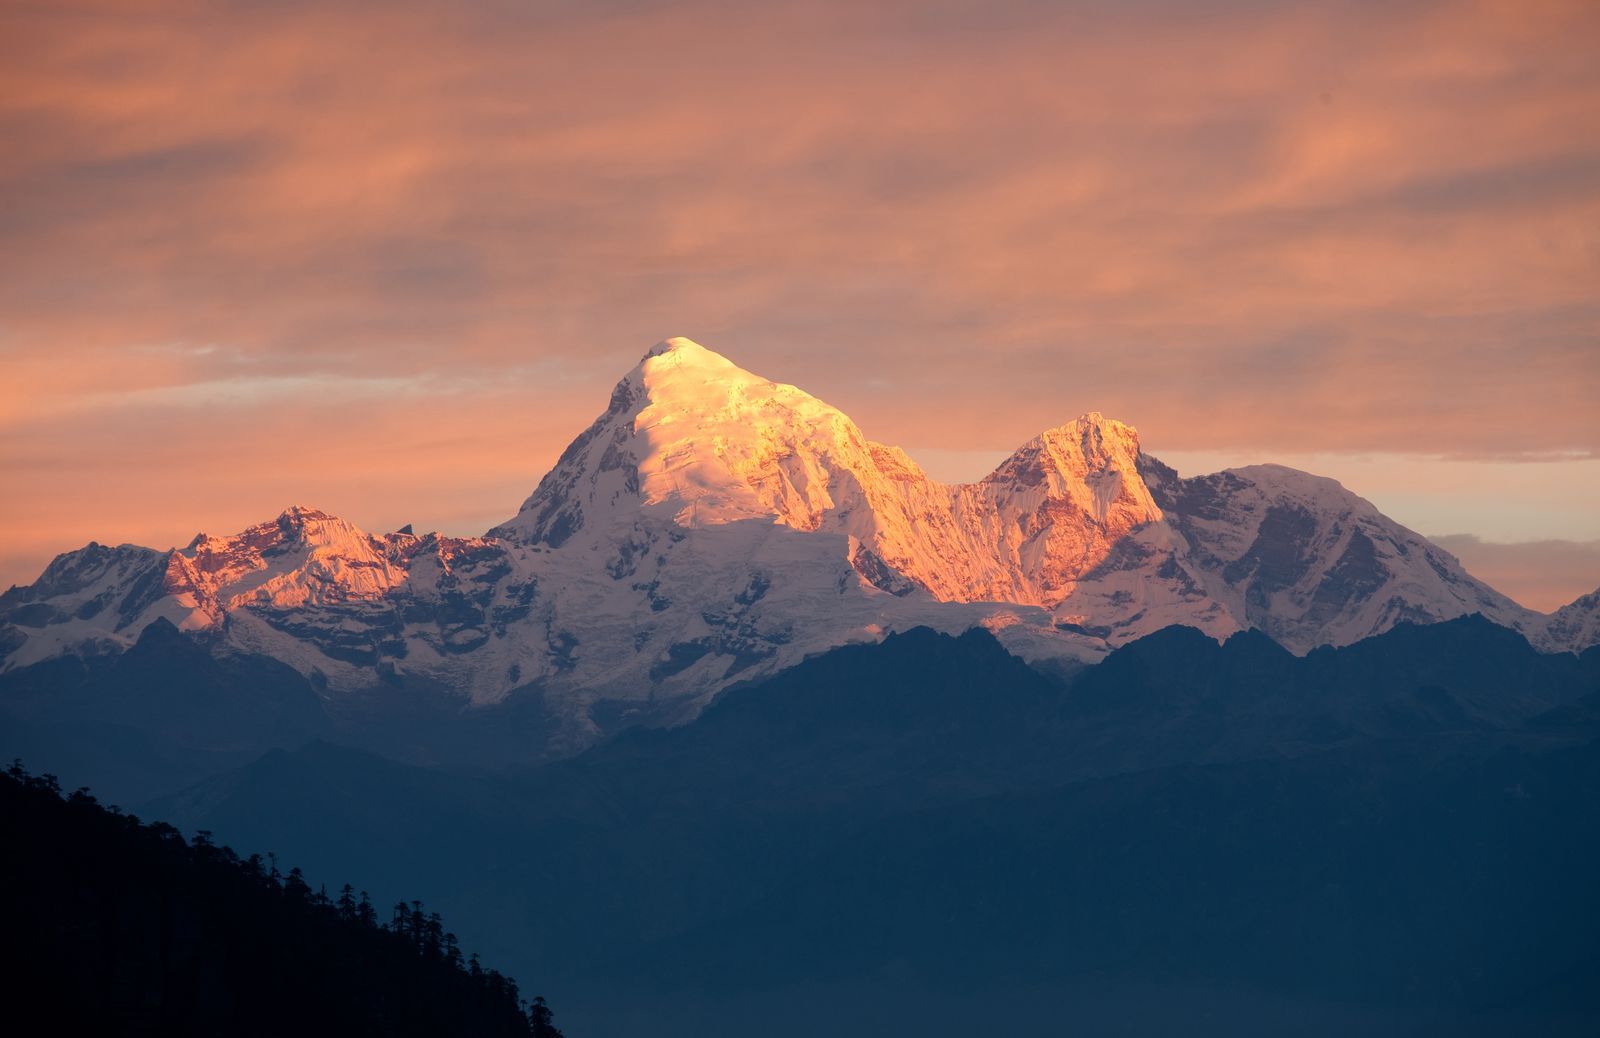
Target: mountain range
column 713, row 527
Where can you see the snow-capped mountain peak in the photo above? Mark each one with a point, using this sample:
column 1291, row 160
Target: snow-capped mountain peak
column 304, row 556
column 692, row 439
column 1071, row 493
column 711, row 525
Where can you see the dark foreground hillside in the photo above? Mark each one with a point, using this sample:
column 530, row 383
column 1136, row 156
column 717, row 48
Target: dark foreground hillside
column 113, row 927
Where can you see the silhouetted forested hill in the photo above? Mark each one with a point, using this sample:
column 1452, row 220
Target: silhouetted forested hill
column 113, row 927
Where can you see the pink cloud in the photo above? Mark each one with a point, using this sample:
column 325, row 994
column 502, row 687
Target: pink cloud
column 1542, row 575
column 244, row 247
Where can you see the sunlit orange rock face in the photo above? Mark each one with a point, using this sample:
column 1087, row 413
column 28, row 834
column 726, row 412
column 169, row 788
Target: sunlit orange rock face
column 304, row 560
column 1027, row 532
column 1062, row 501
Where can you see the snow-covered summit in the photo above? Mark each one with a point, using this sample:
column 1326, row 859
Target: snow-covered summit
column 686, row 348
column 693, row 439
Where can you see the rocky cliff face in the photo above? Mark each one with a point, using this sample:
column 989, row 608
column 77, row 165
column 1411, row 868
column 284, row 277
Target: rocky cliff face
column 712, row 525
column 1575, row 625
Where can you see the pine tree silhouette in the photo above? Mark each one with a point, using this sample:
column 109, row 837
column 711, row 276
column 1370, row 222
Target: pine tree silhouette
column 295, row 886
column 116, row 927
column 541, row 1021
column 346, row 905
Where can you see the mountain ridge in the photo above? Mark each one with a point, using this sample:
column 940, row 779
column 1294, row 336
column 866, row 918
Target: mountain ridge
column 930, row 809
column 711, row 526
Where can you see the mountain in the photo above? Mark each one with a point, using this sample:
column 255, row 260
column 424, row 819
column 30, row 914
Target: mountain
column 1577, row 623
column 163, row 714
column 712, row 527
column 925, row 835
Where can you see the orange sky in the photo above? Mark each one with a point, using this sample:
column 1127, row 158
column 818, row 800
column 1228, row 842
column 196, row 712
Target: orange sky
column 388, row 257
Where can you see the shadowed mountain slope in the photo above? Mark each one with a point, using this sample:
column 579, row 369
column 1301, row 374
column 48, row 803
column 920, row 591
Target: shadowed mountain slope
column 1395, row 832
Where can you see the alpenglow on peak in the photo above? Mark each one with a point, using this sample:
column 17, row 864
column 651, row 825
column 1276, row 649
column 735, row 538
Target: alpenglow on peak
column 682, row 345
column 712, row 525
column 690, row 440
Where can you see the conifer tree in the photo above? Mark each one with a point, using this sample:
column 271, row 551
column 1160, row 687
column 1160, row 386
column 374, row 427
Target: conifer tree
column 346, row 904
column 296, row 887
column 541, row 1021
